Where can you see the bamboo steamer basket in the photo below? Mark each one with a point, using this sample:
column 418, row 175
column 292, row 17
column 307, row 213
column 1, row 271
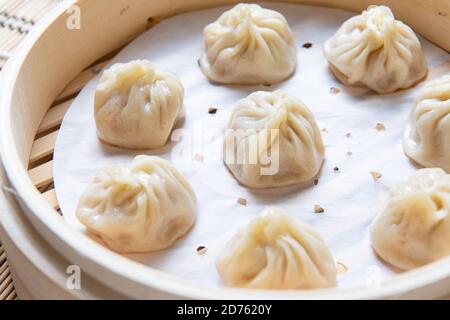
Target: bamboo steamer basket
column 47, row 71
column 39, row 271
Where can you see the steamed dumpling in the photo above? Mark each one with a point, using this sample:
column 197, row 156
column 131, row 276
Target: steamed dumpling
column 414, row 228
column 142, row 206
column 248, row 45
column 277, row 252
column 426, row 139
column 137, row 105
column 377, row 51
column 273, row 140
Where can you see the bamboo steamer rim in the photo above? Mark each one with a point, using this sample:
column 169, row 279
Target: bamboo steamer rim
column 135, row 279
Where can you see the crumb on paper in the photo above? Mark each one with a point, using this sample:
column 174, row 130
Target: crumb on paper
column 348, row 135
column 307, row 45
column 324, row 130
column 380, row 126
column 336, row 169
column 201, row 250
column 349, row 152
column 212, row 110
column 376, row 175
column 341, row 268
column 334, row 90
column 242, row 201
column 318, row 209
column 199, row 157
column 316, row 181
column 198, row 63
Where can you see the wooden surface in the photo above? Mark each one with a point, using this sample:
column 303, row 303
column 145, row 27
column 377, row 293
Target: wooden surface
column 17, row 17
column 40, row 167
column 7, row 291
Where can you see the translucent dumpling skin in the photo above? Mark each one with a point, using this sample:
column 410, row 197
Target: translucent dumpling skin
column 276, row 252
column 137, row 105
column 377, row 51
column 272, row 140
column 139, row 207
column 249, row 44
column 414, row 228
column 426, row 139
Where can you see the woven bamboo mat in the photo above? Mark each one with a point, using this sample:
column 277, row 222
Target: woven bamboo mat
column 7, row 291
column 17, row 17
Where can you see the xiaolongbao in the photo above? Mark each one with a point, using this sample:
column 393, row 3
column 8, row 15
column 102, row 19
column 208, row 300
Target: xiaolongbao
column 426, row 139
column 272, row 140
column 140, row 207
column 414, row 228
column 249, row 45
column 377, row 51
column 137, row 105
column 277, row 252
